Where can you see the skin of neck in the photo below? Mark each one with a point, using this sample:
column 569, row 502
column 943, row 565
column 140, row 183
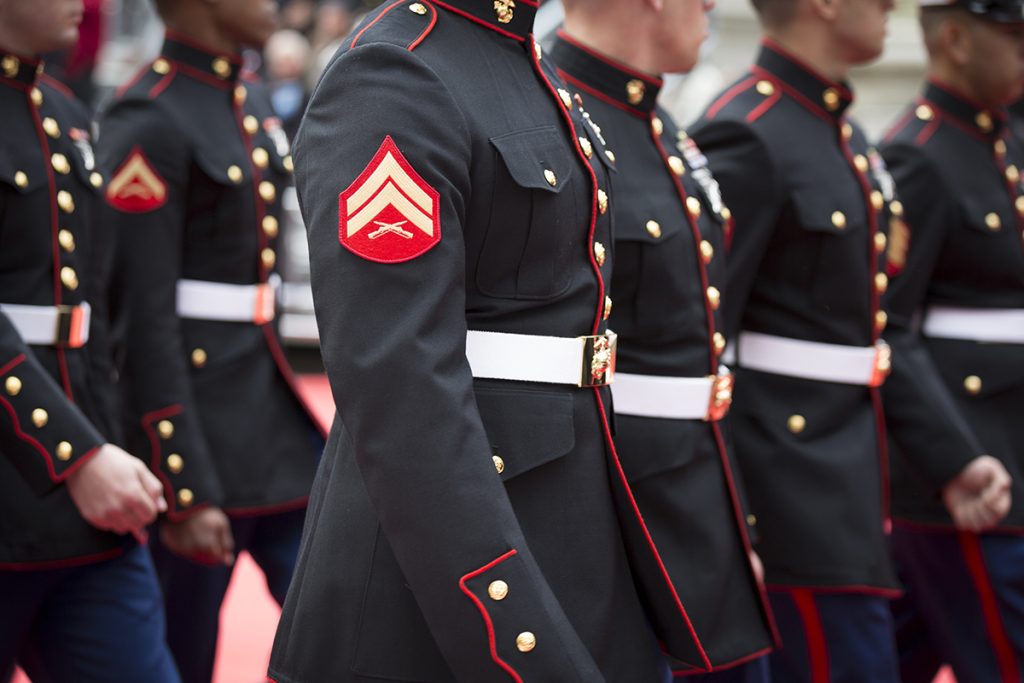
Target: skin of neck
column 18, row 42
column 193, row 19
column 813, row 46
column 601, row 29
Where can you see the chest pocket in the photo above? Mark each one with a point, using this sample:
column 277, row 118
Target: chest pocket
column 220, row 203
column 536, row 221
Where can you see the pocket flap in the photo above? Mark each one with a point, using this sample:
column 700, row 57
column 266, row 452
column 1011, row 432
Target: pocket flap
column 23, row 175
column 832, row 214
column 539, row 158
column 526, row 428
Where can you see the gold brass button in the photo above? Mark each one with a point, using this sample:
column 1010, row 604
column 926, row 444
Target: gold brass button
column 51, row 127
column 12, row 385
column 499, row 464
column 896, row 207
column 610, row 154
column 96, row 179
column 69, row 277
column 751, row 520
column 289, row 165
column 657, row 126
column 654, row 229
column 537, row 51
column 839, row 219
column 693, row 206
column 250, row 124
column 677, row 165
column 165, row 428
column 607, row 307
column 1000, row 148
column 707, row 251
column 40, row 417
column 635, row 91
column 847, row 131
column 497, row 590
column 796, row 423
column 185, row 497
column 880, row 241
column 599, row 253
column 831, row 99
column 566, row 98
column 175, row 463
column 588, row 149
column 984, row 121
column 861, row 162
column 550, row 176
column 725, row 213
column 162, row 66
column 20, row 179
column 602, row 201
column 881, row 282
column 719, row 341
column 221, row 67
column 268, row 258
column 924, row 112
column 270, row 226
column 972, row 385
column 65, row 201
column 198, row 358
column 60, row 163
column 267, row 191
column 1019, row 203
column 240, row 94
column 64, row 451
column 66, row 239
column 526, row 641
column 37, row 97
column 877, row 201
column 417, row 8
column 10, row 65
column 714, row 298
column 765, row 88
column 234, row 174
column 1012, row 174
column 993, row 221
column 881, row 320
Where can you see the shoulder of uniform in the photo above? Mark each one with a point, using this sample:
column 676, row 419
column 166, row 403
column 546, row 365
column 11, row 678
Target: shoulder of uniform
column 915, row 125
column 748, row 98
column 404, row 23
column 55, row 91
column 149, row 82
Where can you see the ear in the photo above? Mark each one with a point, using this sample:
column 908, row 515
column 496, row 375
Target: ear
column 656, row 5
column 827, row 10
column 956, row 39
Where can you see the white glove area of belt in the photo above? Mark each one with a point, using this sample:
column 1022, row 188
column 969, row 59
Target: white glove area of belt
column 536, row 358
column 226, row 302
column 861, row 365
column 992, row 325
column 670, row 398
column 51, row 325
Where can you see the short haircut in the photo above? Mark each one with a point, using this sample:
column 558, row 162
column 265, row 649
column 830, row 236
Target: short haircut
column 775, row 13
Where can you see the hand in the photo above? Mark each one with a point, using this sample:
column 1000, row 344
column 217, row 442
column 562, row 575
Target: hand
column 757, row 566
column 204, row 537
column 114, row 491
column 979, row 497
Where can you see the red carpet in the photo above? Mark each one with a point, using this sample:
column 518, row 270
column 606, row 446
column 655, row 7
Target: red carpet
column 249, row 616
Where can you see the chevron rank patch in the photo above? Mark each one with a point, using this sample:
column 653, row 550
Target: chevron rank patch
column 136, row 187
column 389, row 214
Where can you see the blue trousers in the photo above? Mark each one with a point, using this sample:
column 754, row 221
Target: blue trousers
column 194, row 592
column 755, row 671
column 964, row 605
column 95, row 623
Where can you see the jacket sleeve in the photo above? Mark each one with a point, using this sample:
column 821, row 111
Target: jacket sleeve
column 751, row 189
column 148, row 167
column 921, row 413
column 393, row 338
column 41, row 431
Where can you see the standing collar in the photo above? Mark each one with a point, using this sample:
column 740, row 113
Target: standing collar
column 20, row 69
column 986, row 122
column 199, row 60
column 822, row 95
column 511, row 18
column 608, row 79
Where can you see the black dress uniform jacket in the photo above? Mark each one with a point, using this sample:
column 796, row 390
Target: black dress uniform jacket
column 810, row 200
column 198, row 165
column 53, row 398
column 956, row 166
column 462, row 529
column 670, row 232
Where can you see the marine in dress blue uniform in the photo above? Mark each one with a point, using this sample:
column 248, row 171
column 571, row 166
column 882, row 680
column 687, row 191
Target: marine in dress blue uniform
column 806, row 269
column 955, row 307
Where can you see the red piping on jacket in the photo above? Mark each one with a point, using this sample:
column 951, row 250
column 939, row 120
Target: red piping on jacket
column 491, row 640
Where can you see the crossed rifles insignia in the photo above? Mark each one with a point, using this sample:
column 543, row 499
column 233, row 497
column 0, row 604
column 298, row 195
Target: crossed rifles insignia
column 389, row 214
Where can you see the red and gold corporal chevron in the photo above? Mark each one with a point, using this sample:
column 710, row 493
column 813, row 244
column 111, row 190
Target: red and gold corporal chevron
column 389, row 214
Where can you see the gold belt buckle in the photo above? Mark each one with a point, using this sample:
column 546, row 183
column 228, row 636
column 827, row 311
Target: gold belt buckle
column 883, row 364
column 721, row 396
column 70, row 327
column 598, row 359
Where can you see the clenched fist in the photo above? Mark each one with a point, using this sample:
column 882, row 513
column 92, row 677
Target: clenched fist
column 115, row 491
